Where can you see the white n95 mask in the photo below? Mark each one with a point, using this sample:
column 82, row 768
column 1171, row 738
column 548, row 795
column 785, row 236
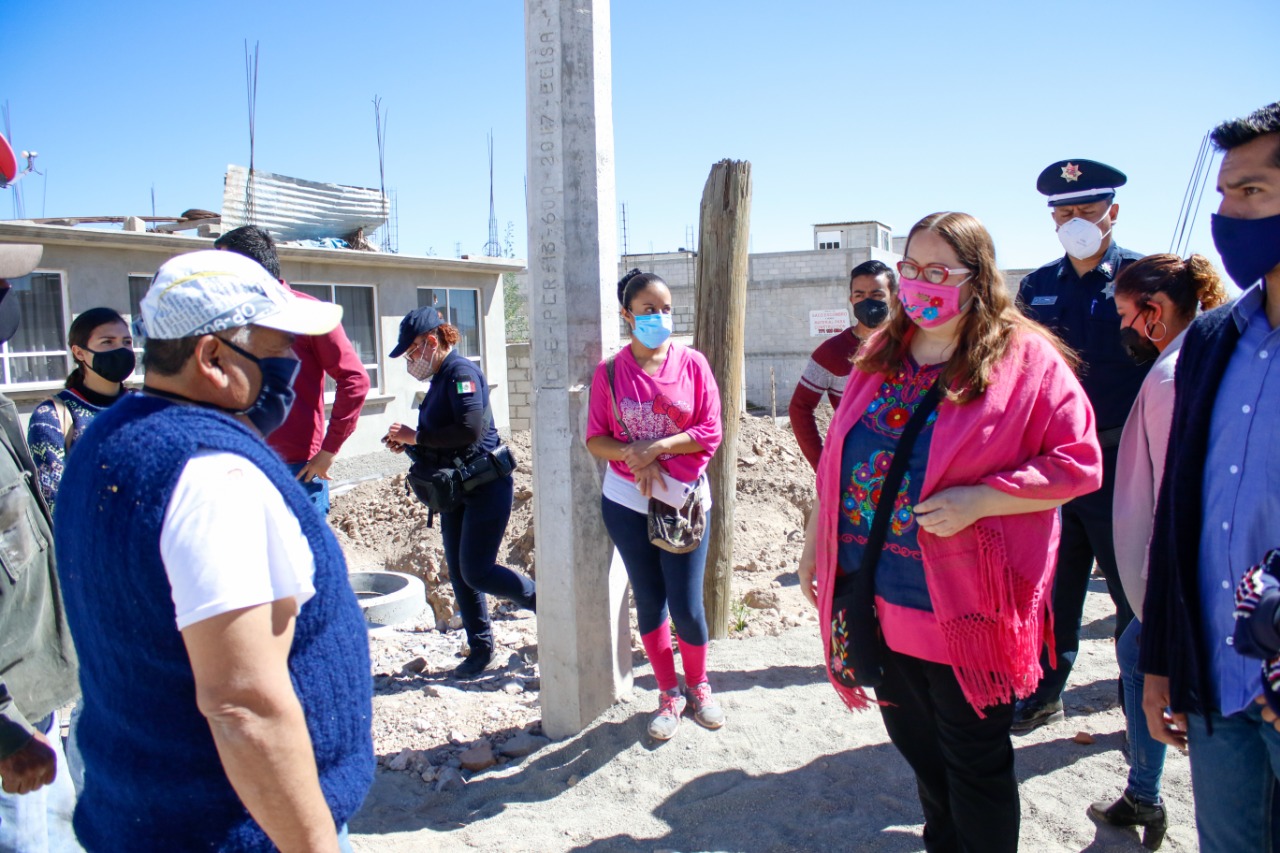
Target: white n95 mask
column 1081, row 238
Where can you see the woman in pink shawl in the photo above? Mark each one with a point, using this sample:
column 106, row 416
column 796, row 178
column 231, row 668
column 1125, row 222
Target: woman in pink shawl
column 952, row 617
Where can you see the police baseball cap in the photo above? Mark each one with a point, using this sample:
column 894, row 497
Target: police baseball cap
column 200, row 293
column 417, row 322
column 1079, row 182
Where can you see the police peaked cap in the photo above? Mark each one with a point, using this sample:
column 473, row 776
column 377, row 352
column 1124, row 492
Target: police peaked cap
column 1079, row 182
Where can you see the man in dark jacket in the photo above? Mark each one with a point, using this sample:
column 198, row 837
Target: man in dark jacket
column 1219, row 510
column 37, row 660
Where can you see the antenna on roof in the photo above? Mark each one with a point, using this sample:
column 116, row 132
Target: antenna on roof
column 380, row 125
column 624, row 229
column 492, row 249
column 251, row 87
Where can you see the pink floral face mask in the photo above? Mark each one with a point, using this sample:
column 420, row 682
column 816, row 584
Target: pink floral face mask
column 929, row 305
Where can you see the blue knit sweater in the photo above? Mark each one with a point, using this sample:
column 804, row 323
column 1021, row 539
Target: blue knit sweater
column 153, row 778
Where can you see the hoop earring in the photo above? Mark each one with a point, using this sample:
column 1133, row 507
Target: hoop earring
column 1163, row 334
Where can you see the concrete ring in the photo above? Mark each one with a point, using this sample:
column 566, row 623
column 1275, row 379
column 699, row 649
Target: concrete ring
column 388, row 598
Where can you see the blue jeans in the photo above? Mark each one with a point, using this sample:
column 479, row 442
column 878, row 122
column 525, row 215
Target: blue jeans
column 1233, row 776
column 659, row 579
column 1146, row 754
column 317, row 490
column 344, row 843
column 40, row 822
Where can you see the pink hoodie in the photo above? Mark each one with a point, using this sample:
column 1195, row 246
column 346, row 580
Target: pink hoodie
column 683, row 397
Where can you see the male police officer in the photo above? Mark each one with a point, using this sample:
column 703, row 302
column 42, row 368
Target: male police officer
column 1073, row 296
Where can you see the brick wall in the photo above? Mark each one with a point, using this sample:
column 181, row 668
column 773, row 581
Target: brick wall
column 520, row 385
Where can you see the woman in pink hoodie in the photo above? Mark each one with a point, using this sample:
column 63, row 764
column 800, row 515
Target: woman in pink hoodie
column 947, row 618
column 655, row 416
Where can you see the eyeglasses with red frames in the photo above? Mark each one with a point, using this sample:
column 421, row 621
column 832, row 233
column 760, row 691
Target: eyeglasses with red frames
column 932, row 273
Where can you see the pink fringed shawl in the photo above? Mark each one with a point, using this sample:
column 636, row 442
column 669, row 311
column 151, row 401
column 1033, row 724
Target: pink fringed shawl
column 1031, row 434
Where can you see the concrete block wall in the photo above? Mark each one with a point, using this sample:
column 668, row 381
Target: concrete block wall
column 782, row 289
column 520, row 385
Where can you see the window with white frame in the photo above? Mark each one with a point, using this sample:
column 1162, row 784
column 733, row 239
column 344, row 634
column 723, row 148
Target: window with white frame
column 828, row 239
column 138, row 285
column 460, row 308
column 37, row 353
column 359, row 321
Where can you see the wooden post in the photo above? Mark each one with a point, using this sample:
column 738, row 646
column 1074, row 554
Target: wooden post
column 720, row 307
column 773, row 395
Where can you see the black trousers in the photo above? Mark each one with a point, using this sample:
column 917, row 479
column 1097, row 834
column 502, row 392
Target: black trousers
column 472, row 535
column 963, row 763
column 1086, row 536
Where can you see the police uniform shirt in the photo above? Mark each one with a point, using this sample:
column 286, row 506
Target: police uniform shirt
column 452, row 412
column 1082, row 311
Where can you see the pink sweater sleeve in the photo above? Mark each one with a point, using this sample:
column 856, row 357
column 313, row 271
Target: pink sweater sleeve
column 1063, row 459
column 600, row 419
column 705, row 426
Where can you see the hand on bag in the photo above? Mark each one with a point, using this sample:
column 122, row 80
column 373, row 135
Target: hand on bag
column 30, row 768
column 1164, row 725
column 646, row 476
column 639, row 454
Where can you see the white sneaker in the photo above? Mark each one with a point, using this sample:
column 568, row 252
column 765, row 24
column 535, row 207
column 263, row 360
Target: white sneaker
column 671, row 704
column 706, row 709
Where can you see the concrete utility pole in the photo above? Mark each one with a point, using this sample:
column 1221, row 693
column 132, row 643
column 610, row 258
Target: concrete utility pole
column 720, row 310
column 583, row 648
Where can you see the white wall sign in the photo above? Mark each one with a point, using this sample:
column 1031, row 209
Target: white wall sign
column 825, row 322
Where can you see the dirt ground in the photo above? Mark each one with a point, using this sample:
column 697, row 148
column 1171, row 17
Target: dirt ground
column 464, row 765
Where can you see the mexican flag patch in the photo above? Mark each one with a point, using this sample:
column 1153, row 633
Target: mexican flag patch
column 466, row 386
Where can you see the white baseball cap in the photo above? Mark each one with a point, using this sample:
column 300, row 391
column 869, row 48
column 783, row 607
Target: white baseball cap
column 200, row 293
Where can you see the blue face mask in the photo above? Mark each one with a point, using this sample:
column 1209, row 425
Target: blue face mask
column 1250, row 248
column 275, row 399
column 652, row 330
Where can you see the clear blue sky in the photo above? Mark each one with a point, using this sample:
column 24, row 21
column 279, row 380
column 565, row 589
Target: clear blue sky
column 847, row 111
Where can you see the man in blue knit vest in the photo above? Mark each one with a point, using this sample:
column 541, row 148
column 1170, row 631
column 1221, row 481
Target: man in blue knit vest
column 224, row 659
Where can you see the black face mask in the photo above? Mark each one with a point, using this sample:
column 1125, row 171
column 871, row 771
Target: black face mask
column 1137, row 346
column 114, row 365
column 871, row 312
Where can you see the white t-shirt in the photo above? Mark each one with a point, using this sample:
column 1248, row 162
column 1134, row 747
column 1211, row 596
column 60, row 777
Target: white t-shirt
column 228, row 541
column 622, row 491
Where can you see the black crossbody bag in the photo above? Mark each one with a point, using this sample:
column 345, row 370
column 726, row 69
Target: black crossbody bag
column 857, row 645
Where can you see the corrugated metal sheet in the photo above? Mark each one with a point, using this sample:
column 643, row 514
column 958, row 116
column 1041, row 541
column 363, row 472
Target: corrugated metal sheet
column 296, row 209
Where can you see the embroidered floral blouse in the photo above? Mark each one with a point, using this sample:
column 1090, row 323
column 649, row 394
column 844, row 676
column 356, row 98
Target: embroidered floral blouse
column 902, row 594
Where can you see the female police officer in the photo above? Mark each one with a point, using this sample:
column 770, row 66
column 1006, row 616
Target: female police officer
column 455, row 430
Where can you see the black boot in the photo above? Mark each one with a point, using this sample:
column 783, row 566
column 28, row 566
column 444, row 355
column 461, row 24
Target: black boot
column 1127, row 811
column 474, row 664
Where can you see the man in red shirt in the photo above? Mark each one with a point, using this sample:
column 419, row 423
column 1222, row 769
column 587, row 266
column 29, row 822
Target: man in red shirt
column 302, row 441
column 872, row 288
